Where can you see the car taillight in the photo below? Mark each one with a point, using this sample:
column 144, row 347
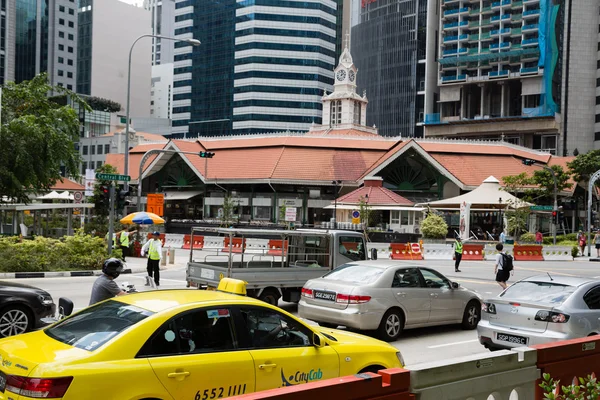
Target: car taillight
column 38, row 387
column 307, row 293
column 347, row 299
column 488, row 308
column 551, row 316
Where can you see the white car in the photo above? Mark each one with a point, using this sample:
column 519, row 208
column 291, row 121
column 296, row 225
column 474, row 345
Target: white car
column 389, row 297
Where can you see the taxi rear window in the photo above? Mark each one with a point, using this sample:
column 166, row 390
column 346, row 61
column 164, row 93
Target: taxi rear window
column 96, row 325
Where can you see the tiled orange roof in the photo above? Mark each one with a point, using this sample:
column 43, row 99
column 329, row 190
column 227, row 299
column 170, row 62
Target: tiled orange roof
column 377, row 143
column 343, row 132
column 377, row 196
column 483, row 148
column 67, row 184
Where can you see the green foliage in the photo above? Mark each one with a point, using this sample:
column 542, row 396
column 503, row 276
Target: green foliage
column 229, row 204
column 434, row 227
column 516, row 221
column 37, row 137
column 574, row 251
column 584, row 165
column 100, row 104
column 78, row 252
column 539, row 186
column 527, row 238
column 582, row 389
column 365, row 212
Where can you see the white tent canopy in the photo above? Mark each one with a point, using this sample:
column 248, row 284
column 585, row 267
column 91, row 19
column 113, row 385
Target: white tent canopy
column 66, row 196
column 488, row 195
column 53, row 195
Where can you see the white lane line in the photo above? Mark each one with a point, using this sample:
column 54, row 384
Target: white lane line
column 488, row 292
column 452, row 344
column 161, row 279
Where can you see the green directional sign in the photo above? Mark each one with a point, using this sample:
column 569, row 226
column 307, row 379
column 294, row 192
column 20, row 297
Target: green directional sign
column 541, row 208
column 113, row 177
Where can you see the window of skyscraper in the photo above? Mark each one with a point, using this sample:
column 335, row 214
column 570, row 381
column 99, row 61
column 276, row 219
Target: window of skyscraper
column 70, row 49
column 106, row 148
column 71, row 37
column 84, row 150
column 61, row 47
column 61, row 21
column 61, row 8
column 61, row 60
column 69, row 86
column 61, row 34
column 61, row 72
column 71, row 24
column 71, row 11
column 69, row 75
column 70, row 62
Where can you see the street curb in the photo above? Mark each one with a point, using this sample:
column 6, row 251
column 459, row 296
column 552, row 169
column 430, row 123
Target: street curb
column 62, row 274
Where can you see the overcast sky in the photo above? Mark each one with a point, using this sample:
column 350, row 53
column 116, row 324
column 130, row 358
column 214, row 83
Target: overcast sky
column 136, row 2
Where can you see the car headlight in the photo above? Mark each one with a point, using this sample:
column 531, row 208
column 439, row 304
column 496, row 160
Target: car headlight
column 400, row 358
column 45, row 299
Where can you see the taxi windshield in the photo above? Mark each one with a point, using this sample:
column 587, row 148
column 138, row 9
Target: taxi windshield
column 96, row 325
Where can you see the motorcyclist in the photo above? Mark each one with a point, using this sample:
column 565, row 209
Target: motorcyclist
column 105, row 286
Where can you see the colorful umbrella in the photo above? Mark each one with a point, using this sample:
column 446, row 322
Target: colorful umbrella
column 142, row 218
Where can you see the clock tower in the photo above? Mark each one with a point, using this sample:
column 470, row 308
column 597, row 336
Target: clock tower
column 344, row 108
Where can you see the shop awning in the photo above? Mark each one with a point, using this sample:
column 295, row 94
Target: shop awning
column 172, row 196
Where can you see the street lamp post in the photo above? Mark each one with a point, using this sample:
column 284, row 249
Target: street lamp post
column 528, row 161
column 335, row 183
column 193, row 42
column 501, row 219
column 202, row 154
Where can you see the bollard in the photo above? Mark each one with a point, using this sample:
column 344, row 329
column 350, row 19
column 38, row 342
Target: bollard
column 171, row 256
column 163, row 261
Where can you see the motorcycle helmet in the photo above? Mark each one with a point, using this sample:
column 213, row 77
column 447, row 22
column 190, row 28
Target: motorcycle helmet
column 112, row 267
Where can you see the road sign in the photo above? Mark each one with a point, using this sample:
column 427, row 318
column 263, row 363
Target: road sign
column 78, row 196
column 113, row 177
column 356, row 217
column 541, row 208
column 90, row 182
column 290, row 214
column 156, row 204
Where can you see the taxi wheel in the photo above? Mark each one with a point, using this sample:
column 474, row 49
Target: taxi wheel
column 472, row 315
column 391, row 325
column 270, row 296
column 15, row 320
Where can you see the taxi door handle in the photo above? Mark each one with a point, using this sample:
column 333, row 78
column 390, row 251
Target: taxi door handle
column 266, row 366
column 180, row 375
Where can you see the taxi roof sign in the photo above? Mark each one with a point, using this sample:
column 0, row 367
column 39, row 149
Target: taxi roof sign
column 233, row 286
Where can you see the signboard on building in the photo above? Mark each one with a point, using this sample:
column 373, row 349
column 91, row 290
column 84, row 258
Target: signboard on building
column 90, row 181
column 365, row 3
column 290, row 214
column 465, row 220
column 156, row 204
column 356, row 217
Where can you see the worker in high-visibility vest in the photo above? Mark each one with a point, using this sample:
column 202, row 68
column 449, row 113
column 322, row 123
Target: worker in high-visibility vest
column 124, row 241
column 153, row 248
column 114, row 246
column 458, row 252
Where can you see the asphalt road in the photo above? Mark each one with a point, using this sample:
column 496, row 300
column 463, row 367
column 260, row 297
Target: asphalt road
column 417, row 345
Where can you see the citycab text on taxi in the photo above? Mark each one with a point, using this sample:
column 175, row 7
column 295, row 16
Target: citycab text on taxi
column 181, row 345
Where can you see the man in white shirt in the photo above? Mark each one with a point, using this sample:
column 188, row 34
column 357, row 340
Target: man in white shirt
column 153, row 248
column 502, row 273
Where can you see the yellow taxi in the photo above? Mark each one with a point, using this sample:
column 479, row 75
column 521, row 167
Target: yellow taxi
column 183, row 345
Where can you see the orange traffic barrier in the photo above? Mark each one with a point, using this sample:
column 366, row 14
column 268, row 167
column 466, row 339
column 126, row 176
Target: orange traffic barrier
column 472, row 252
column 406, row 251
column 198, row 242
column 277, row 247
column 162, row 238
column 387, row 384
column 238, row 245
column 528, row 253
column 568, row 359
column 187, row 242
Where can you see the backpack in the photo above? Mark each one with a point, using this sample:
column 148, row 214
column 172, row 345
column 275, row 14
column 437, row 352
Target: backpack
column 507, row 262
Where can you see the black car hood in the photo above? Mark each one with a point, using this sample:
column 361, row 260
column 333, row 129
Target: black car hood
column 19, row 286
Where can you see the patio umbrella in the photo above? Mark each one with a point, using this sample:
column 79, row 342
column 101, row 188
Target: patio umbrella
column 142, row 218
column 66, row 196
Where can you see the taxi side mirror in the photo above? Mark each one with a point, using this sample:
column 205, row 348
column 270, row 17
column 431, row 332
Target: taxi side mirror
column 65, row 307
column 373, row 254
column 318, row 341
column 455, row 285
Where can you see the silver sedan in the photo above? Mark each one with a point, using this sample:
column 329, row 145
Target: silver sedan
column 541, row 309
column 387, row 296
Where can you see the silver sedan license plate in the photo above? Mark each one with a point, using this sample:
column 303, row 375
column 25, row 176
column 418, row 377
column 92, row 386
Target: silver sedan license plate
column 512, row 338
column 329, row 296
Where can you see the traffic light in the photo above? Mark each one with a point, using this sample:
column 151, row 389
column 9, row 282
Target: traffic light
column 555, row 217
column 206, row 154
column 122, row 199
column 105, row 195
column 528, row 161
column 561, row 217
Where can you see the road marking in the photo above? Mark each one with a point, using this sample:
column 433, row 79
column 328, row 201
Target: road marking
column 452, row 344
column 488, row 292
column 478, row 282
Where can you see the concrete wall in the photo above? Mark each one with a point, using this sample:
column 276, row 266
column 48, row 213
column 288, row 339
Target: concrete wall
column 161, row 94
column 116, row 26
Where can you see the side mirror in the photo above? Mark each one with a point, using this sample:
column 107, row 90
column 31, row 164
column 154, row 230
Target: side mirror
column 455, row 285
column 373, row 254
column 65, row 307
column 318, row 341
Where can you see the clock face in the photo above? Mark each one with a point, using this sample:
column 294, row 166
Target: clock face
column 341, row 75
column 351, row 76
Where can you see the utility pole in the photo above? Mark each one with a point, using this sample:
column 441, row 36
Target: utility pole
column 111, row 217
column 591, row 186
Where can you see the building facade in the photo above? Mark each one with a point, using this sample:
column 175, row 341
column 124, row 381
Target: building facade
column 263, row 64
column 103, row 53
column 38, row 36
column 388, row 43
column 519, row 71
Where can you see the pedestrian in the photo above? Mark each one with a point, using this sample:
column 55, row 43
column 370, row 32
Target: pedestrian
column 124, row 241
column 597, row 243
column 114, row 246
column 502, row 237
column 539, row 238
column 582, row 243
column 153, row 248
column 105, row 287
column 504, row 266
column 458, row 252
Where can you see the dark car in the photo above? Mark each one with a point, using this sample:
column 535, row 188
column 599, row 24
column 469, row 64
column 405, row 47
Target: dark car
column 22, row 307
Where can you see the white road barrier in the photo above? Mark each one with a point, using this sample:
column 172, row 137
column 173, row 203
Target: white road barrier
column 174, row 240
column 437, row 251
column 257, row 246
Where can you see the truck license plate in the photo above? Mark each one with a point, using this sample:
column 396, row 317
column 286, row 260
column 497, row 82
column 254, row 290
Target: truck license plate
column 512, row 338
column 329, row 296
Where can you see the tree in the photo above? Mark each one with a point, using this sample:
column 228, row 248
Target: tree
column 539, row 186
column 37, row 137
column 229, row 205
column 584, row 165
column 100, row 207
column 434, row 226
column 365, row 212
